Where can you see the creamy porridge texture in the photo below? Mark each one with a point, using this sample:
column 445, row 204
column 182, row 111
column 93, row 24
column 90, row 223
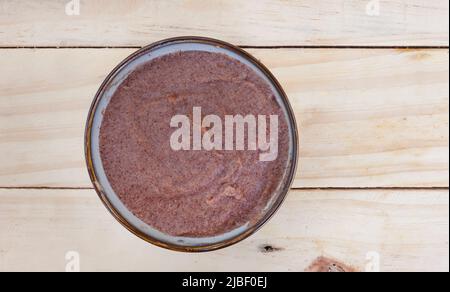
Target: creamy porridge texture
column 189, row 193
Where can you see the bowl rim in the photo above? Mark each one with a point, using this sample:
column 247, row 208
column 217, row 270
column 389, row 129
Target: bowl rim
column 281, row 196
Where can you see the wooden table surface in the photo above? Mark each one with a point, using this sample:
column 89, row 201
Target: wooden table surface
column 370, row 90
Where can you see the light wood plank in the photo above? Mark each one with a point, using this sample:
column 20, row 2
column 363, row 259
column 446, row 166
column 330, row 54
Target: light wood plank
column 250, row 22
column 408, row 229
column 367, row 118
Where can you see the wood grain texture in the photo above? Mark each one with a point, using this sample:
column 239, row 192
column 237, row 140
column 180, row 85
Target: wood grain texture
column 409, row 230
column 250, row 22
column 367, row 118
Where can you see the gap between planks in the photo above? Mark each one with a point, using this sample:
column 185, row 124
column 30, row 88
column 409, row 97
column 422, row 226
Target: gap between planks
column 292, row 189
column 244, row 47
